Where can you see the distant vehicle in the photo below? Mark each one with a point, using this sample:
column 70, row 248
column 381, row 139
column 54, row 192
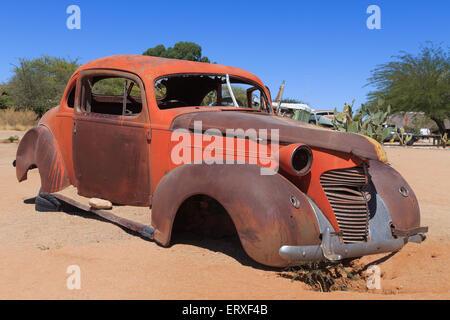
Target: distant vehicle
column 322, row 117
column 329, row 114
column 297, row 111
column 397, row 134
column 425, row 131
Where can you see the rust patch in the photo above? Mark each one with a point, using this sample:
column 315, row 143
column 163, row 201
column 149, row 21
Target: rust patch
column 259, row 207
column 289, row 132
column 38, row 148
column 404, row 211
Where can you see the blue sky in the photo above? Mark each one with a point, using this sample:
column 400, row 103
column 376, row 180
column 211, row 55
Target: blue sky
column 322, row 49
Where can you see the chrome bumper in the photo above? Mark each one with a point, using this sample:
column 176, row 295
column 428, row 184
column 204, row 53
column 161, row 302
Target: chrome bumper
column 332, row 249
column 329, row 250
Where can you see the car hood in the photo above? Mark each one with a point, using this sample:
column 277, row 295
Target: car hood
column 290, row 131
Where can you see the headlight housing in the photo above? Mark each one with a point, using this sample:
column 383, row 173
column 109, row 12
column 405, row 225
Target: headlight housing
column 296, row 159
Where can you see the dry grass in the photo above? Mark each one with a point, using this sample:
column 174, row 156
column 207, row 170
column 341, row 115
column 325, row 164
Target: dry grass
column 326, row 276
column 11, row 119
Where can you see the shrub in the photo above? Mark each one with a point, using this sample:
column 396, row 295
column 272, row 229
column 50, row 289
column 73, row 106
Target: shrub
column 12, row 119
column 326, row 276
column 38, row 84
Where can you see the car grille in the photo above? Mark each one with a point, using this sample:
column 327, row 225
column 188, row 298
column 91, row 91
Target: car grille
column 344, row 190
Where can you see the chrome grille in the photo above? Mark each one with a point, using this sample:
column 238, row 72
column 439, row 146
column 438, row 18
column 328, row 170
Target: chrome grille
column 344, row 190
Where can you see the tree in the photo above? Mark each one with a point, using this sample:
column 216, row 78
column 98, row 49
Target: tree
column 5, row 99
column 38, row 84
column 181, row 50
column 292, row 100
column 416, row 83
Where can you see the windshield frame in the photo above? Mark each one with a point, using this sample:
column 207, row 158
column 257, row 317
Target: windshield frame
column 244, row 80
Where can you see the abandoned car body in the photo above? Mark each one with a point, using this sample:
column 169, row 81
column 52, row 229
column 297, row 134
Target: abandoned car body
column 333, row 197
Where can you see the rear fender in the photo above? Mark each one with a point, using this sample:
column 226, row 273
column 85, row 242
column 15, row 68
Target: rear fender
column 260, row 206
column 38, row 148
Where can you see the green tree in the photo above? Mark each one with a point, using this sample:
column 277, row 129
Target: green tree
column 416, row 83
column 38, row 84
column 181, row 50
column 5, row 99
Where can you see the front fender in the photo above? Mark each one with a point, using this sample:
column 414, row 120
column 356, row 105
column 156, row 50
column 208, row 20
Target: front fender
column 259, row 206
column 404, row 209
column 38, row 148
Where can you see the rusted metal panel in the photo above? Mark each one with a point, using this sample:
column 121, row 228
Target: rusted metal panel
column 288, row 133
column 404, row 211
column 111, row 152
column 408, row 233
column 111, row 159
column 259, row 207
column 154, row 67
column 140, row 228
column 38, row 148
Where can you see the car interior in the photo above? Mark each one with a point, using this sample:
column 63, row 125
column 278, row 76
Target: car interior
column 183, row 90
column 114, row 96
column 122, row 96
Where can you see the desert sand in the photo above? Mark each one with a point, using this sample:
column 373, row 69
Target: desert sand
column 37, row 248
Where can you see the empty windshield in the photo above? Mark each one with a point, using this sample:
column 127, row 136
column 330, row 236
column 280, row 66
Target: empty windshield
column 208, row 90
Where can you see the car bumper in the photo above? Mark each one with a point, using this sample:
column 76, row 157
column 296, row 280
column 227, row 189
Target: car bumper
column 340, row 251
column 331, row 247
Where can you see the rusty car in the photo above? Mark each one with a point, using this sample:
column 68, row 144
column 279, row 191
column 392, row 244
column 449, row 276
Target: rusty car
column 333, row 195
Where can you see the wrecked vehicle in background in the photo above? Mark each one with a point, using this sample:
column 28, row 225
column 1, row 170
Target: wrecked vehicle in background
column 333, row 195
column 396, row 133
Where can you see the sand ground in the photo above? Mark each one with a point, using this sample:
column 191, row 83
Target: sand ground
column 37, row 248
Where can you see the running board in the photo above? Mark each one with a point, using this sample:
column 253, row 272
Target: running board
column 142, row 229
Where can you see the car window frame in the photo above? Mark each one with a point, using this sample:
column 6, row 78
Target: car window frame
column 261, row 88
column 85, row 75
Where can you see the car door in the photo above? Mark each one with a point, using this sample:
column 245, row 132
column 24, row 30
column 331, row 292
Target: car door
column 111, row 138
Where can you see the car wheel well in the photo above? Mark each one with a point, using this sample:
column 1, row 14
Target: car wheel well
column 203, row 215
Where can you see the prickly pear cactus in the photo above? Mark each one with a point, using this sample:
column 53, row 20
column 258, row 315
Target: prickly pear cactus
column 445, row 140
column 366, row 120
column 403, row 138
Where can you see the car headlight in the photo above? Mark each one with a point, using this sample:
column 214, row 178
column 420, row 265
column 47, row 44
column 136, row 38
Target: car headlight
column 296, row 159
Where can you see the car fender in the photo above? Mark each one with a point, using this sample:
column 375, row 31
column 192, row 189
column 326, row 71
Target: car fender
column 38, row 148
column 260, row 206
column 404, row 209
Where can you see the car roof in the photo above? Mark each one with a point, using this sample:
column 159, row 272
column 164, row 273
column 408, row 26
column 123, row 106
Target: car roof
column 325, row 111
column 154, row 67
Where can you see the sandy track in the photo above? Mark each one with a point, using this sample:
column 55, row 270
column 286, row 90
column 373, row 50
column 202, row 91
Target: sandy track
column 37, row 248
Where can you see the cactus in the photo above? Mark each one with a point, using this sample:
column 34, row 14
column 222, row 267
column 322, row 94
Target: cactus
column 296, row 115
column 403, row 139
column 366, row 120
column 445, row 141
column 301, row 115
